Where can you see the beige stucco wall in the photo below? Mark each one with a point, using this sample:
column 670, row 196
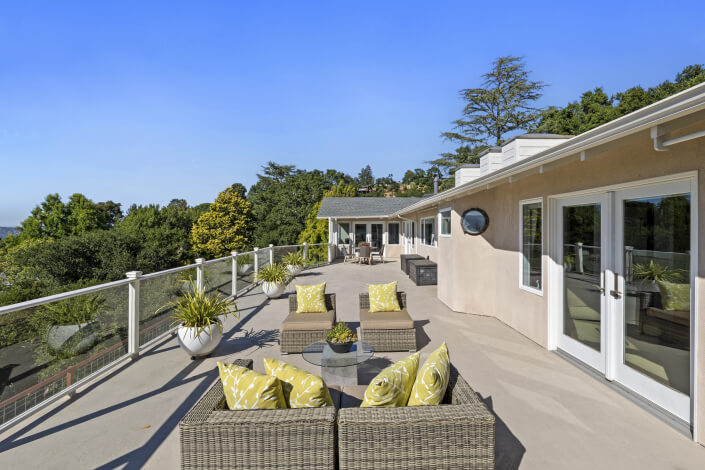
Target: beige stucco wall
column 480, row 274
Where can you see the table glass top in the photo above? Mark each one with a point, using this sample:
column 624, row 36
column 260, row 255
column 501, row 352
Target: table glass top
column 321, row 354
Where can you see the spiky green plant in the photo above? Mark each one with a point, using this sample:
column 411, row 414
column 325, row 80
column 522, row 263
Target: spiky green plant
column 196, row 309
column 341, row 333
column 294, row 259
column 276, row 273
column 657, row 272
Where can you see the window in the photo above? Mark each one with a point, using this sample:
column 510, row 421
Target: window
column 393, row 233
column 428, row 231
column 445, row 222
column 531, row 244
column 343, row 233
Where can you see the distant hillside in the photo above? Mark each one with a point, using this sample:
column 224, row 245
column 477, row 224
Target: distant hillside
column 5, row 231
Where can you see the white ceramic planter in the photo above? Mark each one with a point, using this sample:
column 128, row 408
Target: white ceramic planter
column 71, row 339
column 199, row 345
column 294, row 270
column 272, row 290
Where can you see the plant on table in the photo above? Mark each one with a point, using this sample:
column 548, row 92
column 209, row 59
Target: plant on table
column 341, row 333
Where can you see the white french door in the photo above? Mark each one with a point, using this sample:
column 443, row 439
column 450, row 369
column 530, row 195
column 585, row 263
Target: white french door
column 409, row 237
column 582, row 239
column 625, row 263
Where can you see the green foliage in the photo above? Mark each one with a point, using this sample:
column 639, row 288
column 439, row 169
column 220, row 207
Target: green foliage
column 196, row 309
column 225, row 227
column 73, row 311
column 657, row 272
column 293, row 259
column 595, row 107
column 341, row 333
column 316, row 230
column 465, row 154
column 365, row 177
column 500, row 106
column 276, row 273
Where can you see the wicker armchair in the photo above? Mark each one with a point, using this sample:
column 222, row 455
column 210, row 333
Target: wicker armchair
column 456, row 434
column 214, row 437
column 301, row 329
column 387, row 331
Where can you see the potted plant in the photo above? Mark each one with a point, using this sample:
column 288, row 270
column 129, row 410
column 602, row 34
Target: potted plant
column 341, row 338
column 274, row 279
column 72, row 324
column 244, row 264
column 198, row 316
column 651, row 273
column 294, row 262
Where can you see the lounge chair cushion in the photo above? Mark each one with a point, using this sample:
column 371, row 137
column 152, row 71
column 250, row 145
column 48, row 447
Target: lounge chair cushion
column 674, row 296
column 311, row 299
column 245, row 389
column 385, row 320
column 309, row 321
column 432, row 380
column 301, row 389
column 392, row 386
column 383, row 297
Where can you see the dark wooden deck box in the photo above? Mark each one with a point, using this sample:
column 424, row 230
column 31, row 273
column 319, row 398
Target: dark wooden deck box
column 423, row 272
column 405, row 262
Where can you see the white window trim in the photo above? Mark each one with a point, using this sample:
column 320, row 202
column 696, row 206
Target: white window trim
column 422, row 231
column 398, row 233
column 522, row 203
column 440, row 225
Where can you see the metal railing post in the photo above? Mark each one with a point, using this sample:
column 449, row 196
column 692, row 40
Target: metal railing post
column 256, row 257
column 330, row 253
column 579, row 250
column 133, row 320
column 305, row 251
column 199, row 273
column 271, row 254
column 234, row 276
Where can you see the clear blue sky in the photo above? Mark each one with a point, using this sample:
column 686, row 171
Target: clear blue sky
column 140, row 101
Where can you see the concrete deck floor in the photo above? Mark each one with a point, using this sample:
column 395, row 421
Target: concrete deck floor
column 550, row 413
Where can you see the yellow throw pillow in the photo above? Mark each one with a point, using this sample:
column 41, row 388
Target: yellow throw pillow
column 311, row 299
column 246, row 389
column 432, row 379
column 675, row 296
column 301, row 389
column 393, row 385
column 383, row 297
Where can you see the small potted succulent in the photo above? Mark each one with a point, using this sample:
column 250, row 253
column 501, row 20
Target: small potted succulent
column 341, row 338
column 274, row 279
column 294, row 262
column 198, row 316
column 245, row 264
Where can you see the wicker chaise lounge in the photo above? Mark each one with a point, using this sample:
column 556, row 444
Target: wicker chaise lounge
column 387, row 331
column 214, row 437
column 301, row 329
column 458, row 434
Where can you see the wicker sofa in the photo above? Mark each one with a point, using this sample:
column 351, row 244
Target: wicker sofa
column 301, row 329
column 456, row 434
column 214, row 437
column 387, row 331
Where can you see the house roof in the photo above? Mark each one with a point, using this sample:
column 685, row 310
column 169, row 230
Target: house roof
column 676, row 106
column 363, row 207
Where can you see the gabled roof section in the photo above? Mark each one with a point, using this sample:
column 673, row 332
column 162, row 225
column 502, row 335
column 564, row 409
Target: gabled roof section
column 363, row 207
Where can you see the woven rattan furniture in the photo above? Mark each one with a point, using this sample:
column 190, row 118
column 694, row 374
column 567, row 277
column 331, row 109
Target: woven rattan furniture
column 301, row 329
column 458, row 434
column 214, row 437
column 387, row 331
column 405, row 262
column 423, row 272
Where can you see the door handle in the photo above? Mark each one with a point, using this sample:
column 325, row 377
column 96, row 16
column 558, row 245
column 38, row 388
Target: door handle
column 601, row 289
column 615, row 292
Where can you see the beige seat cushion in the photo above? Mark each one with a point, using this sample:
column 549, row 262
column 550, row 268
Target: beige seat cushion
column 352, row 396
column 309, row 321
column 385, row 320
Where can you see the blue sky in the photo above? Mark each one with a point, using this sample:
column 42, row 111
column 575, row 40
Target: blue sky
column 143, row 101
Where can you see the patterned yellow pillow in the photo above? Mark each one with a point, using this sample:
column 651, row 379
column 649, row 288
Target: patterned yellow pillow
column 675, row 296
column 301, row 389
column 393, row 385
column 383, row 297
column 432, row 379
column 311, row 299
column 246, row 389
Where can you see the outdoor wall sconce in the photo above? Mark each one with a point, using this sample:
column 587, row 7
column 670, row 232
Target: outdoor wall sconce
column 474, row 221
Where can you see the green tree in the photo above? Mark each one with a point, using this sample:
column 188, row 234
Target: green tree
column 225, row 227
column 365, row 177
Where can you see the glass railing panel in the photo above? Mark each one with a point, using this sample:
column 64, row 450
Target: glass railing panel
column 317, row 254
column 218, row 276
column 245, row 270
column 280, row 252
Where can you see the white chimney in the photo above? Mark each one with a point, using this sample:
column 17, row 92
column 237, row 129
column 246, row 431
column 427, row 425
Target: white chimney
column 466, row 173
column 490, row 160
column 527, row 145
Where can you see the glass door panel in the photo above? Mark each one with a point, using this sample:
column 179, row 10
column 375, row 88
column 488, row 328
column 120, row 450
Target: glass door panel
column 376, row 234
column 360, row 233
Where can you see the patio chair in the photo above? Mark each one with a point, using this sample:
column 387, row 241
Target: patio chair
column 214, row 437
column 298, row 330
column 379, row 254
column 458, row 433
column 365, row 254
column 387, row 331
column 349, row 253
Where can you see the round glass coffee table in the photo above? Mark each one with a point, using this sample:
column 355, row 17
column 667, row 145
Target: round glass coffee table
column 338, row 368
